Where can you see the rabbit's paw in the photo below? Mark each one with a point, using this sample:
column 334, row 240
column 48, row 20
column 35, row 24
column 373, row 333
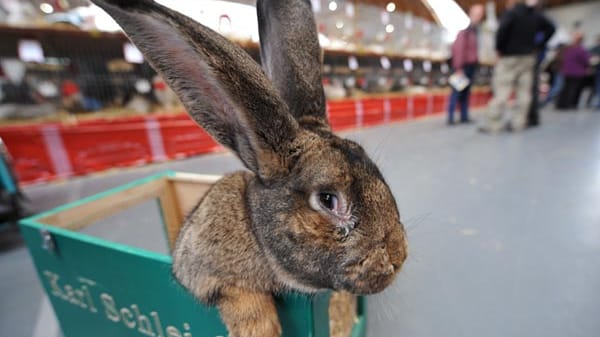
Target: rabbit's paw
column 258, row 327
column 249, row 314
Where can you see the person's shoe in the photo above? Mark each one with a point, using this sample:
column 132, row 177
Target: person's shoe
column 466, row 121
column 483, row 129
column 488, row 130
column 450, row 123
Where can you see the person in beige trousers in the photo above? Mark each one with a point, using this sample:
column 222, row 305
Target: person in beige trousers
column 515, row 43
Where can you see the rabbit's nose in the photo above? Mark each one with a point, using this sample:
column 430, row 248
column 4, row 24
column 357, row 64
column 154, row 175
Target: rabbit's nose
column 397, row 249
column 387, row 267
column 383, row 260
column 396, row 265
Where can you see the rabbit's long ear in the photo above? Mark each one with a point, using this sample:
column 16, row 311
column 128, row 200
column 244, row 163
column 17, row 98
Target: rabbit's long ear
column 221, row 86
column 291, row 56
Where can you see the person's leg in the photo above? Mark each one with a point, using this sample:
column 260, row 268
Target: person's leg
column 466, row 94
column 452, row 105
column 464, row 105
column 590, row 83
column 577, row 90
column 524, row 68
column 555, row 88
column 502, row 86
column 564, row 100
column 559, row 83
column 533, row 117
column 597, row 87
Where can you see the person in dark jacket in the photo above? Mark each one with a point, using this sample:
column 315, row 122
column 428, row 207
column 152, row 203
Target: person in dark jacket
column 465, row 61
column 515, row 44
column 541, row 40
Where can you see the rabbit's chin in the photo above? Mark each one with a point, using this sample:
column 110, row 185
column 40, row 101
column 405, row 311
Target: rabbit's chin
column 369, row 284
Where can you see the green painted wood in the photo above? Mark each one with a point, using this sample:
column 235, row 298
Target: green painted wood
column 100, row 288
column 107, row 193
column 98, row 291
column 360, row 327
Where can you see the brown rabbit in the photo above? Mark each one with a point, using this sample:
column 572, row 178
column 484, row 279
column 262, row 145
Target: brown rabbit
column 314, row 213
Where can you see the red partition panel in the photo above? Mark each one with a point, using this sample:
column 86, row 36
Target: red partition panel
column 99, row 147
column 421, row 105
column 184, row 138
column 440, row 103
column 387, row 110
column 481, row 98
column 399, row 106
column 342, row 114
column 475, row 99
column 27, row 146
column 373, row 111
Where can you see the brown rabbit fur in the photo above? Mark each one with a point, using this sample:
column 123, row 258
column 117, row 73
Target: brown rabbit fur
column 314, row 213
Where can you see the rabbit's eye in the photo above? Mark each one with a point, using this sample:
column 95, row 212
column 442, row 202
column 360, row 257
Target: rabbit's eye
column 329, row 201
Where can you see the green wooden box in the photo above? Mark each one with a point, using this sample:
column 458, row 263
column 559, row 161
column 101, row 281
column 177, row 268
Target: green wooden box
column 100, row 288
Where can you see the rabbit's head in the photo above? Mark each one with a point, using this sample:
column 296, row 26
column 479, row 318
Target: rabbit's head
column 331, row 220
column 320, row 208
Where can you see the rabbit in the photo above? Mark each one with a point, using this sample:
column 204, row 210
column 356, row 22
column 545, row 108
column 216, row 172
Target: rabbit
column 312, row 212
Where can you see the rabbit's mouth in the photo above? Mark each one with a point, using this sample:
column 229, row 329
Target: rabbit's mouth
column 370, row 282
column 372, row 274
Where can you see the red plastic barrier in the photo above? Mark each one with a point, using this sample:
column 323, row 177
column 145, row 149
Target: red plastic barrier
column 183, row 138
column 342, row 114
column 98, row 147
column 373, row 112
column 420, row 105
column 399, row 107
column 44, row 152
column 31, row 161
column 480, row 98
column 475, row 99
column 440, row 103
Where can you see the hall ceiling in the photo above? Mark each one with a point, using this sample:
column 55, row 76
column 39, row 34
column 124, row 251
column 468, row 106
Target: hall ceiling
column 419, row 8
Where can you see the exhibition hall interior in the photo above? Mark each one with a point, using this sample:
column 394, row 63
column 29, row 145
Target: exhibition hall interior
column 296, row 168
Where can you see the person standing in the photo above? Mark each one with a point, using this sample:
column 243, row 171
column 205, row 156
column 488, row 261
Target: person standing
column 556, row 78
column 574, row 69
column 541, row 40
column 515, row 44
column 465, row 62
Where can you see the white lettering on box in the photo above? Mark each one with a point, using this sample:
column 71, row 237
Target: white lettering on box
column 110, row 308
column 144, row 326
column 173, row 332
column 82, row 293
column 127, row 317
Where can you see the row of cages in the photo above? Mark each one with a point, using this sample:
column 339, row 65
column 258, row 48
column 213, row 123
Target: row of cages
column 75, row 72
column 91, row 84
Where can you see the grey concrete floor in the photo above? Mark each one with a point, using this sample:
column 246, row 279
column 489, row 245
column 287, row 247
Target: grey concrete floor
column 504, row 231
